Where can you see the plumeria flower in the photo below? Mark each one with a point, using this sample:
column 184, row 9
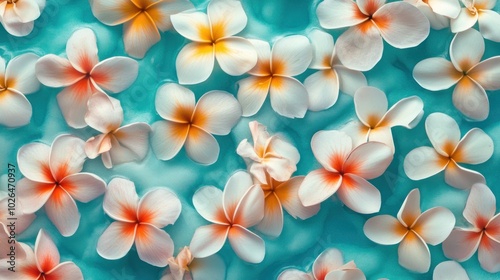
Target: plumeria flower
column 213, row 38
column 438, row 12
column 483, row 236
column 16, row 80
column 23, row 220
column 138, row 221
column 329, row 265
column 232, row 212
column 42, row 263
column 448, row 150
column 279, row 195
column 413, row 230
column 190, row 124
column 323, row 86
column 53, row 179
column 376, row 121
column 269, row 154
column 18, row 16
column 466, row 70
column 116, row 144
column 478, row 11
column 186, row 267
column 141, row 20
column 273, row 75
column 345, row 171
column 449, row 270
column 82, row 75
column 361, row 46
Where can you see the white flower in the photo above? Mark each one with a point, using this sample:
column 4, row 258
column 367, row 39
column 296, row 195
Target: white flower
column 478, row 11
column 18, row 16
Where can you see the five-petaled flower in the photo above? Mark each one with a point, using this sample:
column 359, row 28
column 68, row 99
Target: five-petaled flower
column 187, row 267
column 53, row 179
column 412, row 230
column 139, row 222
column 478, row 11
column 438, row 12
column 448, row 150
column 18, row 16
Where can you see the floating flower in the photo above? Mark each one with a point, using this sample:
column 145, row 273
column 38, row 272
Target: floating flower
column 213, row 38
column 376, row 121
column 239, row 207
column 449, row 270
column 23, row 220
column 18, row 16
column 16, row 80
column 53, row 179
column 413, row 230
column 329, row 265
column 82, row 74
column 478, row 11
column 139, row 222
column 465, row 70
column 438, row 12
column 274, row 73
column 400, row 24
column 116, row 144
column 323, row 86
column 483, row 236
column 186, row 267
column 190, row 124
column 269, row 154
column 141, row 20
column 448, row 150
column 345, row 170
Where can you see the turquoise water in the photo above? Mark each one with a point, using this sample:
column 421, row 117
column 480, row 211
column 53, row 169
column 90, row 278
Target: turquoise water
column 301, row 241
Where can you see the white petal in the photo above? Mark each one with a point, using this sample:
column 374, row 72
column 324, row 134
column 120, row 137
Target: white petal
column 46, row 253
column 448, row 8
column 201, row 146
column 346, row 274
column 27, row 10
column 194, row 26
column 272, row 223
column 488, row 25
column 382, row 135
column 461, row 244
column 471, row 99
column 226, row 17
column 294, row 274
column 480, row 206
column 385, row 230
column 489, row 255
column 359, row 195
column 104, row 113
column 15, row 109
column 414, row 254
column 139, row 35
column 54, row 71
column 168, row 138
column 444, row 133
column 423, row 162
column 160, row 12
column 121, row 200
column 235, row 189
column 288, row 97
column 216, row 112
column 130, row 143
column 288, row 194
column 323, row 49
column 116, row 73
column 83, row 187
column 449, row 270
column 434, row 225
column 67, row 156
column 13, row 25
column 208, row 202
column 208, row 240
column 159, row 207
column 371, row 105
column 73, row 102
column 410, row 209
column 350, row 80
column 116, row 240
column 235, row 55
column 114, row 12
column 368, row 160
column 63, row 212
column 210, row 268
column 331, row 148
column 475, row 147
column 252, row 93
column 360, row 48
column 65, row 270
column 369, row 7
column 464, row 21
column 334, row 14
column 247, row 245
column 154, row 245
column 437, row 21
column 404, row 112
column 466, row 49
column 323, row 89
column 250, row 209
column 462, row 178
column 487, row 73
column 20, row 73
column 263, row 67
column 81, row 50
column 195, row 63
column 436, row 74
column 175, row 103
column 33, row 195
column 329, row 260
column 291, row 55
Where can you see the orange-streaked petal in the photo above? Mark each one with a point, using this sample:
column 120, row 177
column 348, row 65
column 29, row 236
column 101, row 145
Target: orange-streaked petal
column 65, row 270
column 480, row 206
column 83, row 187
column 201, row 146
column 434, row 225
column 161, row 11
column 424, row 162
column 20, row 74
column 115, row 74
column 168, row 138
column 33, row 160
column 461, row 244
column 369, row 160
column 175, row 103
column 263, row 66
column 359, row 195
column 154, row 245
column 67, row 156
column 193, row 26
column 226, row 17
column 33, row 195
column 319, row 185
column 371, row 105
column 331, row 149
column 235, row 55
column 414, row 254
column 385, row 230
column 471, row 99
column 121, row 200
column 73, row 102
column 329, row 260
column 216, row 112
column 291, row 55
column 272, row 223
column 81, row 50
column 410, row 209
column 208, row 202
column 195, row 62
column 487, row 73
column 116, row 240
column 208, row 240
column 475, row 147
column 63, row 212
column 288, row 97
column 466, row 49
column 114, row 12
column 159, row 207
column 250, row 208
column 444, row 133
column 436, row 73
column 97, row 145
column 323, row 89
column 139, row 35
column 235, row 189
column 252, row 93
column 246, row 244
column 54, row 71
column 288, row 194
column 334, row 14
column 46, row 253
column 489, row 255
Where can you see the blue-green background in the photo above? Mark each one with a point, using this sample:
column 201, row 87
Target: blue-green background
column 301, row 241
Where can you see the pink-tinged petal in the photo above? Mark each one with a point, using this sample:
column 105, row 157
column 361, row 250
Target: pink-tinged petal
column 489, row 255
column 436, row 74
column 260, row 135
column 329, row 260
column 359, row 195
column 382, row 135
column 281, row 148
column 434, row 225
column 471, row 99
column 161, row 11
column 319, row 185
column 424, row 162
column 54, row 71
column 414, row 254
column 130, row 143
column 195, row 63
column 395, row 19
column 154, row 245
column 359, row 132
column 114, row 12
column 201, row 146
column 226, row 17
column 115, row 74
column 159, row 207
column 294, row 274
column 63, row 212
column 235, row 189
column 208, row 203
column 331, row 149
column 116, row 240
column 350, row 80
column 168, row 138
column 212, row 267
column 65, row 270
column 175, row 103
column 480, row 206
column 67, row 156
column 291, row 55
column 246, row 244
column 466, row 49
column 250, row 209
column 104, row 113
column 410, row 209
column 252, row 93
column 288, row 194
column 444, row 133
column 27, row 10
column 15, row 109
column 369, row 160
column 121, row 200
column 272, row 223
column 488, row 25
column 288, row 97
column 46, row 254
column 20, row 74
column 385, row 230
column 437, row 21
column 475, row 147
column 323, row 89
column 26, row 269
column 33, row 160
column 334, row 14
column 139, row 35
column 405, row 112
column 449, row 270
column 13, row 25
column 371, row 105
column 193, row 26
column 448, row 8
column 216, row 112
column 263, row 66
column 33, row 195
column 462, row 178
column 360, row 47
column 464, row 21
column 235, row 55
column 346, row 274
column 73, row 102
column 208, row 240
column 461, row 244
column 83, row 187
column 22, row 223
column 323, row 49
column 369, row 7
column 487, row 73
column 81, row 50
column 97, row 145
column 493, row 228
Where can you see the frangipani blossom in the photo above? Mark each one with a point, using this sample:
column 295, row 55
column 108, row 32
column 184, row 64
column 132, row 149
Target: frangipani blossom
column 466, row 70
column 232, row 212
column 116, row 144
column 269, row 154
column 273, row 75
column 323, row 86
column 53, row 179
column 345, row 171
column 400, row 24
column 42, row 263
column 483, row 236
column 329, row 265
column 448, row 150
column 186, row 267
column 16, row 80
column 141, row 20
column 139, row 222
column 478, row 11
column 413, row 230
column 438, row 12
column 82, row 75
column 213, row 38
column 190, row 124
column 18, row 16
column 449, row 270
